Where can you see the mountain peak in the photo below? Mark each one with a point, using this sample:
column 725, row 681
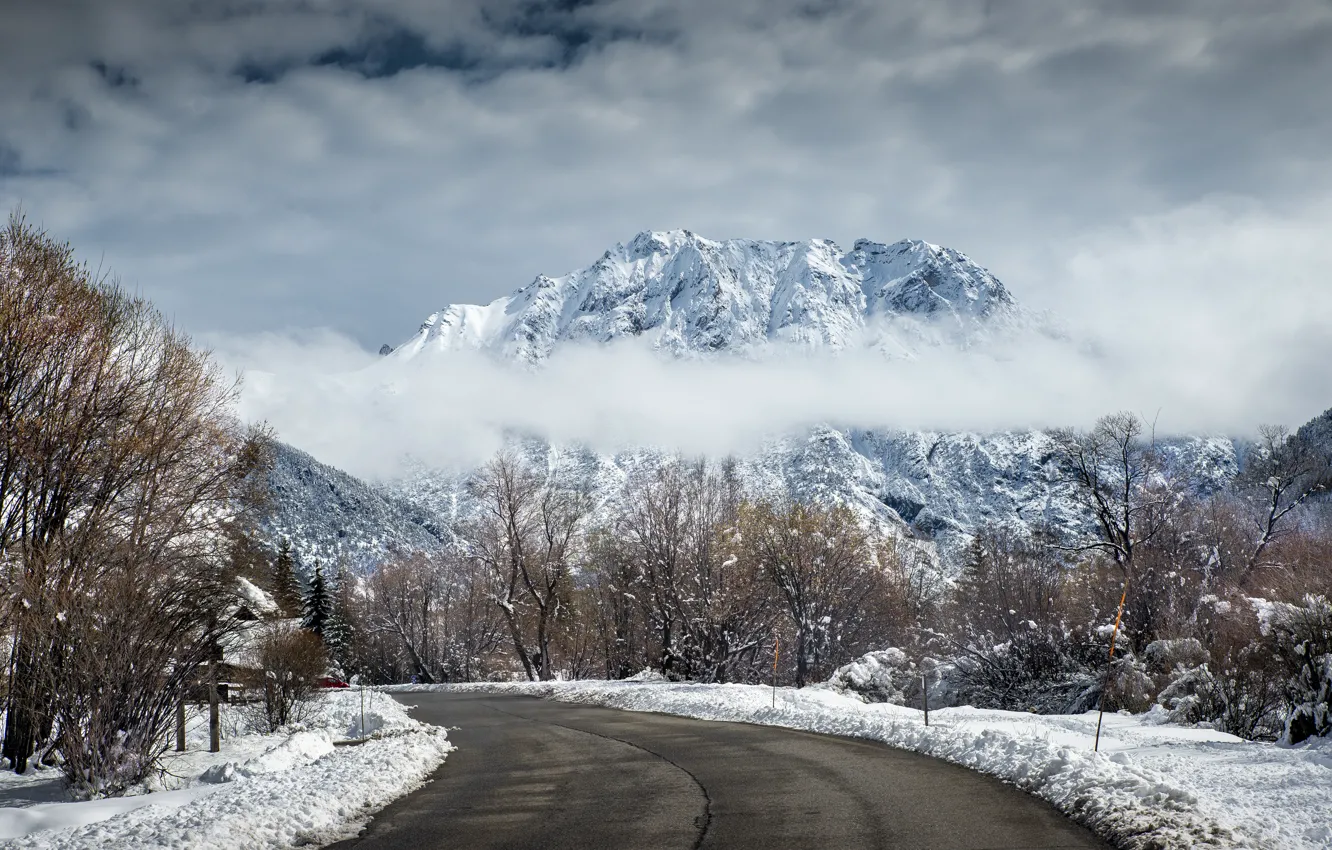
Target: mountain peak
column 923, row 279
column 660, row 240
column 694, row 296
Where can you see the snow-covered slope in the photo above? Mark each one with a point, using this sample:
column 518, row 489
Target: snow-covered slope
column 691, row 295
column 291, row 788
column 1317, row 432
column 931, row 489
column 328, row 514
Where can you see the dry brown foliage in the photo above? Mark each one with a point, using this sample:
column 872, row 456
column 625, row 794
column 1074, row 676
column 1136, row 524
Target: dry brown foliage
column 287, row 665
column 120, row 470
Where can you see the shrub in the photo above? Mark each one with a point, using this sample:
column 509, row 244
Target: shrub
column 1301, row 637
column 288, row 665
column 1235, row 688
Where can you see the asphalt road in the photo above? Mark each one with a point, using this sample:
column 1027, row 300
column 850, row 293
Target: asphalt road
column 530, row 773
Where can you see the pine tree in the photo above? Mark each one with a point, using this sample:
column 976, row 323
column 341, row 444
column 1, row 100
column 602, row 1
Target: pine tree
column 286, row 587
column 337, row 627
column 317, row 602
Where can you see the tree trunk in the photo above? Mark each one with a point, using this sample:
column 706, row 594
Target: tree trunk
column 22, row 720
column 667, row 658
column 802, row 657
column 180, row 726
column 543, row 645
column 214, row 712
column 422, row 670
column 518, row 647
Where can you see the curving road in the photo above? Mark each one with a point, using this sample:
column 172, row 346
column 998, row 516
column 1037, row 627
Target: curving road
column 535, row 774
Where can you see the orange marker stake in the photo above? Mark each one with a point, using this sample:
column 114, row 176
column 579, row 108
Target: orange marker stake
column 1096, row 746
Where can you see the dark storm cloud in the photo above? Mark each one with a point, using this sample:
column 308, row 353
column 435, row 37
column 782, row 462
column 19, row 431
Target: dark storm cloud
column 552, row 35
column 353, row 164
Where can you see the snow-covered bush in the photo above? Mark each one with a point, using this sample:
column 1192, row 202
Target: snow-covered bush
column 1234, row 687
column 1188, row 696
column 1165, row 656
column 1010, row 629
column 1048, row 672
column 889, row 675
column 1126, row 684
column 1301, row 635
column 881, row 676
column 1184, row 684
column 1186, row 688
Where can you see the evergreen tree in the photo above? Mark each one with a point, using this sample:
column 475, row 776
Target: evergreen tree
column 337, row 628
column 286, row 587
column 318, row 601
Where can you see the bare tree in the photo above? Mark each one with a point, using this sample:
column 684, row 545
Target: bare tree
column 438, row 610
column 656, row 525
column 825, row 570
column 708, row 609
column 401, row 599
column 1115, row 472
column 527, row 536
column 287, row 664
column 620, row 622
column 120, row 468
column 1280, row 475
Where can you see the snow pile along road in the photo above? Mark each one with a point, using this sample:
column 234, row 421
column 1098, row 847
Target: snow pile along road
column 1152, row 786
column 262, row 791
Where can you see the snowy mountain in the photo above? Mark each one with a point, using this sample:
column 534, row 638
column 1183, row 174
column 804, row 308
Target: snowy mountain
column 691, row 295
column 697, row 298
column 931, row 489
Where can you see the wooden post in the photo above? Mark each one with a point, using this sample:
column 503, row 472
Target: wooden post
column 214, row 717
column 180, row 725
column 925, row 696
column 776, row 651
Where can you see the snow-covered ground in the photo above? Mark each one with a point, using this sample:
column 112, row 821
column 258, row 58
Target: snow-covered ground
column 1152, row 785
column 261, row 791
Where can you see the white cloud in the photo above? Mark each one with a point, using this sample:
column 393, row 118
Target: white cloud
column 1229, row 299
column 1210, row 319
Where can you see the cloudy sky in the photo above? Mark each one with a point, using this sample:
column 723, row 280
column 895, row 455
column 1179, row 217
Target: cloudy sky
column 1152, row 167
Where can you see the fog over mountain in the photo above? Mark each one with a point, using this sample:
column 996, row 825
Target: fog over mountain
column 904, row 379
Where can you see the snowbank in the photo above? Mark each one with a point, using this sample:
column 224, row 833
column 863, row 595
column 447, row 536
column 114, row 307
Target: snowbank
column 1152, row 785
column 261, row 791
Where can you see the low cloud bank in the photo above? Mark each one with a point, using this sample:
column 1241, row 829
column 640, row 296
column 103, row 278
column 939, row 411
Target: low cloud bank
column 451, row 410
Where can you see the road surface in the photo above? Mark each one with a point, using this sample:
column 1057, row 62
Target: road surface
column 531, row 773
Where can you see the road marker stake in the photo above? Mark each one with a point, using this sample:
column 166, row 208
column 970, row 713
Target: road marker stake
column 1096, row 745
